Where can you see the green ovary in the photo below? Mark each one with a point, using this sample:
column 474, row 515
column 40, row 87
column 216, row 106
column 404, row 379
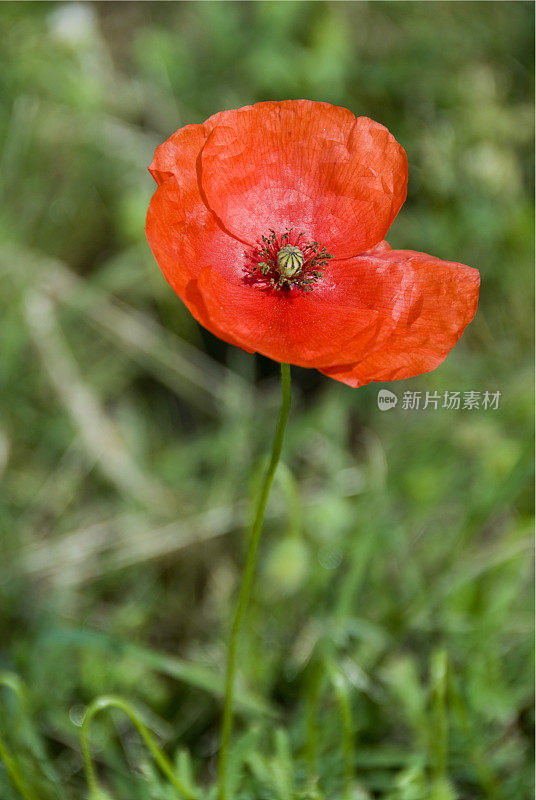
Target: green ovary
column 289, row 261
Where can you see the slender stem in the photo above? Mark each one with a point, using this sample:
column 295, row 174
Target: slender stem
column 247, row 581
column 104, row 702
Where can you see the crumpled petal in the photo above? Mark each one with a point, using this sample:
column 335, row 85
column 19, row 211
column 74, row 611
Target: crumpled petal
column 185, row 237
column 306, row 165
column 175, row 218
column 178, row 155
column 438, row 300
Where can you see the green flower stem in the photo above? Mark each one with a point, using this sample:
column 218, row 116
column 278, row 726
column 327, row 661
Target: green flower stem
column 247, row 581
column 161, row 759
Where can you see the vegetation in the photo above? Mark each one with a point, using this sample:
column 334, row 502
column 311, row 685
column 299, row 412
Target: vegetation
column 388, row 649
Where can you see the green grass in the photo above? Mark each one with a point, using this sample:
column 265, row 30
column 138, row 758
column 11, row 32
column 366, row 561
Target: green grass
column 388, row 648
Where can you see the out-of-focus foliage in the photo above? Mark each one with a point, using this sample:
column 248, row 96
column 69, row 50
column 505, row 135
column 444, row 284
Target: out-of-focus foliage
column 395, row 571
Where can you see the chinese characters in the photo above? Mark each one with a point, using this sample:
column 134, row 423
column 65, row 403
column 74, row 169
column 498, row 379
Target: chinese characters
column 452, row 401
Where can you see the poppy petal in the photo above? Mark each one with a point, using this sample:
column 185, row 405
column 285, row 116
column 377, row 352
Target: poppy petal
column 306, row 165
column 295, row 327
column 175, row 220
column 178, row 155
column 438, row 299
column 167, row 220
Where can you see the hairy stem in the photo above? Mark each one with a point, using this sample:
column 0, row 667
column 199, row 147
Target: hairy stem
column 247, row 581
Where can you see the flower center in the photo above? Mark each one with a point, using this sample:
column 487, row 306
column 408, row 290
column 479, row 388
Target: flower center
column 287, row 261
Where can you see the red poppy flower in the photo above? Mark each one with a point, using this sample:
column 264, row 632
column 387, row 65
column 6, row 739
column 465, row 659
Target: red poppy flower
column 269, row 223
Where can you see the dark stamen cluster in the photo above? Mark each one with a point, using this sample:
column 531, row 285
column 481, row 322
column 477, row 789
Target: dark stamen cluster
column 264, row 262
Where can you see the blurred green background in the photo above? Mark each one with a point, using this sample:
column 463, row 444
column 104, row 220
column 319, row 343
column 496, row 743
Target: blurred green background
column 395, row 569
